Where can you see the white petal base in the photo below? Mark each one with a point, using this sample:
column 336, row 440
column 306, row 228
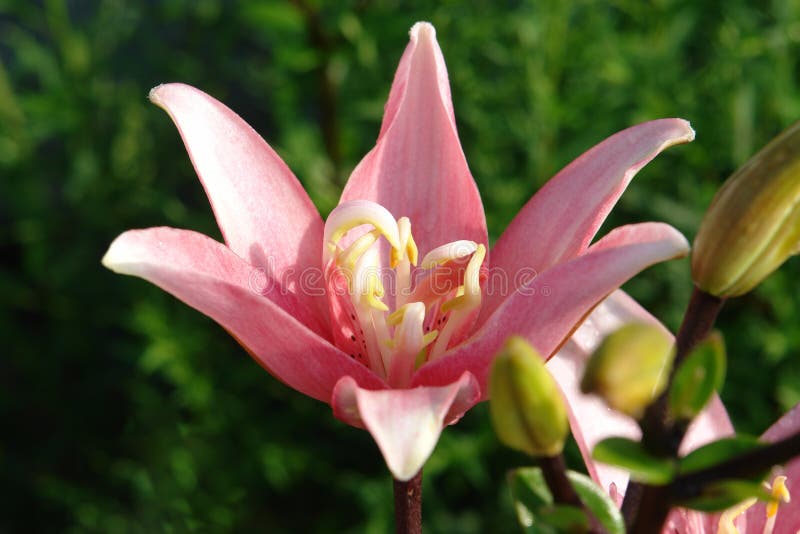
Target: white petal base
column 405, row 423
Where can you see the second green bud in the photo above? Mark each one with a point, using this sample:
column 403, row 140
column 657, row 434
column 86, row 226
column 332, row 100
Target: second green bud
column 630, row 368
column 528, row 413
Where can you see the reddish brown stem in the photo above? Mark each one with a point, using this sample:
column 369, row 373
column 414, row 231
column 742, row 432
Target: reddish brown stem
column 554, row 470
column 408, row 505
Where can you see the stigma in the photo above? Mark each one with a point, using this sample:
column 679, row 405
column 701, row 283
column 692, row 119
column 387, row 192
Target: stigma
column 389, row 310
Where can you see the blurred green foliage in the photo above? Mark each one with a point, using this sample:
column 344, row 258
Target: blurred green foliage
column 125, row 411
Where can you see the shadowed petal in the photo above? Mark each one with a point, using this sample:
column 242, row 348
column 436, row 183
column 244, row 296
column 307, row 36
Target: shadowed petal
column 547, row 309
column 788, row 519
column 207, row 276
column 561, row 219
column 262, row 210
column 405, row 423
column 418, row 169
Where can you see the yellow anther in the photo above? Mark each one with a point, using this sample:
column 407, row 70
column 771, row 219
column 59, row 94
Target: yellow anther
column 351, row 214
column 351, row 254
column 456, row 303
column 411, row 250
column 449, row 252
column 396, row 317
column 725, row 525
column 472, row 281
column 408, row 248
column 780, row 493
column 468, row 296
column 429, row 338
column 374, row 292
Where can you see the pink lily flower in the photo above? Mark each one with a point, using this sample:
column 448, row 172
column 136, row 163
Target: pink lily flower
column 345, row 311
column 591, row 421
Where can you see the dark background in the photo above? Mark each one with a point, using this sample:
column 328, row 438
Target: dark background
column 122, row 410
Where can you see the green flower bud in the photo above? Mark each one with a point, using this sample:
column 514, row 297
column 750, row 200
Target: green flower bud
column 528, row 413
column 630, row 368
column 753, row 223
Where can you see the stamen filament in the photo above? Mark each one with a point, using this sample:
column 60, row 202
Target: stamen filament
column 462, row 305
column 427, row 314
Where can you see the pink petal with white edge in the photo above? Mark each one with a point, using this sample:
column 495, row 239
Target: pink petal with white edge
column 207, row 276
column 262, row 210
column 417, row 168
column 405, row 423
column 551, row 306
column 561, row 219
column 788, row 519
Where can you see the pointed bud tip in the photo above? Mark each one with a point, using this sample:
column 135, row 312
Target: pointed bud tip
column 113, row 259
column 422, row 29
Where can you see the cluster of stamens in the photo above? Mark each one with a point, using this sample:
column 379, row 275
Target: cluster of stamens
column 433, row 302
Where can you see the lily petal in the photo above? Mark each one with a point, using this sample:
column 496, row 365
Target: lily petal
column 787, row 521
column 561, row 219
column 418, row 160
column 546, row 309
column 405, row 423
column 207, row 276
column 262, row 210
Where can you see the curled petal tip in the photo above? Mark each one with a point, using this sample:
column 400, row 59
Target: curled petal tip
column 153, row 95
column 689, row 134
column 114, row 257
column 680, row 242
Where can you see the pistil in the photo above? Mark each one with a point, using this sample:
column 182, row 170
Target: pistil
column 425, row 317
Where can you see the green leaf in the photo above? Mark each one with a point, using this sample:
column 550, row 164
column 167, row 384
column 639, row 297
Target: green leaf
column 538, row 514
column 724, row 494
column 634, row 458
column 716, row 452
column 698, row 377
column 598, row 501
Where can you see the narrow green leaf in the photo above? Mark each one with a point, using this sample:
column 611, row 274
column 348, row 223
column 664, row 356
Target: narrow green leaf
column 634, row 458
column 563, row 518
column 598, row 501
column 530, row 493
column 724, row 494
column 538, row 514
column 698, row 377
column 716, row 452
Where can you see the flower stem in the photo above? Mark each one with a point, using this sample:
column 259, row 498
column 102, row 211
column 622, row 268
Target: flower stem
column 408, row 505
column 554, row 470
column 662, row 434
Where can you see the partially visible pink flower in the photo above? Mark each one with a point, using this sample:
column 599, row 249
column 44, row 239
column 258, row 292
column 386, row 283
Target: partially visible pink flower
column 406, row 352
column 591, row 421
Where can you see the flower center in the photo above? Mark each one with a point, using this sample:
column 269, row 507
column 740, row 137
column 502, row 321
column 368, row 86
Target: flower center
column 395, row 316
column 779, row 493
